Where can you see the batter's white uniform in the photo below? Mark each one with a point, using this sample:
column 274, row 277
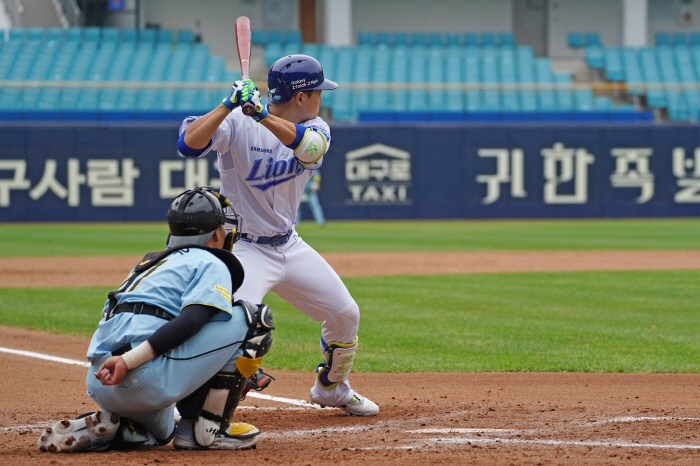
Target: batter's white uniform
column 264, row 182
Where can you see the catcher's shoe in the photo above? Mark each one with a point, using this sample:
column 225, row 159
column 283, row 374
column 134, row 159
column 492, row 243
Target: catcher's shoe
column 358, row 405
column 92, row 432
column 237, row 436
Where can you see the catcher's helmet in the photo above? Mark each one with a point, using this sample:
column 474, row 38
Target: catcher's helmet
column 295, row 73
column 195, row 214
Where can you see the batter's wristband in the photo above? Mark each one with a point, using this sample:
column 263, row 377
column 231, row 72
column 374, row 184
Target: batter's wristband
column 138, row 355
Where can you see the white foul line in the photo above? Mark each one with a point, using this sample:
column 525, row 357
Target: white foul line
column 74, row 362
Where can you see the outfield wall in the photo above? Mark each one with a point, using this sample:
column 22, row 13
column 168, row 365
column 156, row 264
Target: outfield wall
column 52, row 172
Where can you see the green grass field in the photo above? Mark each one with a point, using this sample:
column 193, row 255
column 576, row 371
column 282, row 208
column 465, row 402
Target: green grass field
column 83, row 239
column 645, row 321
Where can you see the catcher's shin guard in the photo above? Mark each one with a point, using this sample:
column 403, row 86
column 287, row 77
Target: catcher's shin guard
column 337, row 362
column 212, row 405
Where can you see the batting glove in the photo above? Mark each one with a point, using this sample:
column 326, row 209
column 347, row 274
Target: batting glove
column 260, row 110
column 233, row 99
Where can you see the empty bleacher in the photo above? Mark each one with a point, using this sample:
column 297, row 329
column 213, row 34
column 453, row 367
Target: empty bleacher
column 78, row 72
column 665, row 76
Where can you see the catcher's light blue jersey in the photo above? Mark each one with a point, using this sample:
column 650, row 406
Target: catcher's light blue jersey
column 187, row 276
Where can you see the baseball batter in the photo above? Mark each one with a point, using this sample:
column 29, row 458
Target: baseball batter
column 265, row 160
column 173, row 315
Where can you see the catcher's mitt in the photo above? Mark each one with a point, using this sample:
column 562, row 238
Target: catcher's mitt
column 258, row 382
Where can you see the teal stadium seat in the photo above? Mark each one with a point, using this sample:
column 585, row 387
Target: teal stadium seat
column 614, row 70
column 592, row 38
column 575, row 40
column 694, row 38
column 595, row 56
column 54, row 34
column 383, row 37
column 108, row 98
column 273, row 51
column 583, row 100
column 506, row 39
column 92, row 34
column 185, row 36
column 43, row 61
column 662, row 38
column 470, row 38
column 274, row 36
column 633, row 73
column 258, row 37
column 435, row 39
column 452, row 39
column 164, row 36
column 73, row 34
column 148, row 35
column 129, row 35
column 104, row 58
column 400, row 38
column 419, row 38
column 110, row 34
column 63, row 63
column 564, row 92
column 8, row 54
column 11, row 98
column 159, row 62
column 679, row 38
column 487, row 38
column 215, row 70
column 291, row 37
column 69, row 98
column 34, row 33
column 16, row 35
column 365, row 38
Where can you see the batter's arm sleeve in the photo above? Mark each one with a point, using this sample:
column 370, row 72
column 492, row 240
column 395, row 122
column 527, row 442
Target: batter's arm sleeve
column 182, row 328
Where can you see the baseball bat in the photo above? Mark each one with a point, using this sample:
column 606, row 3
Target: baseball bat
column 243, row 44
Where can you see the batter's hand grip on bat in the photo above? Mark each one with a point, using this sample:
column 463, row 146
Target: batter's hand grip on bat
column 248, row 109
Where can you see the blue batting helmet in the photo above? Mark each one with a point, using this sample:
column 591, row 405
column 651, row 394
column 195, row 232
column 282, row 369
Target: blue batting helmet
column 295, row 73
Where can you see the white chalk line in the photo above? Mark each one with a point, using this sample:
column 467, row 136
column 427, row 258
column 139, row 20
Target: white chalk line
column 461, row 440
column 252, row 394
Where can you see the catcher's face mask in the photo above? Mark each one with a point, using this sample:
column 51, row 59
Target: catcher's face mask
column 232, row 218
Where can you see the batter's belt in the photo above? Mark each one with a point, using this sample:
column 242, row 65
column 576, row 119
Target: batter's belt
column 277, row 240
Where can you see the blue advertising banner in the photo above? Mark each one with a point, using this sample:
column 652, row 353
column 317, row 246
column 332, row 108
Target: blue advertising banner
column 101, row 172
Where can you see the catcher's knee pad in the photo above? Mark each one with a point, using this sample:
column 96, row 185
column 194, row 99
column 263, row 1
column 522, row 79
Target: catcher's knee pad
column 337, row 362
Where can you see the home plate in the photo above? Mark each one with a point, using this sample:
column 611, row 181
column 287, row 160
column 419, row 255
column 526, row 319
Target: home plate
column 458, row 431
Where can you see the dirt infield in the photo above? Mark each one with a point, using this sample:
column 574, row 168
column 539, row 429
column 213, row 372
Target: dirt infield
column 110, row 271
column 434, row 418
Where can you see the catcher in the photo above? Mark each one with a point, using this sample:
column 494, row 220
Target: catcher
column 173, row 315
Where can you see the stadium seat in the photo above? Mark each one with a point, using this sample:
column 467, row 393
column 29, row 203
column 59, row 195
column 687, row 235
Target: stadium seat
column 383, row 37
column 185, row 36
column 575, row 40
column 274, row 36
column 506, row 39
column 16, row 35
column 92, row 34
column 595, row 57
column 679, row 38
column 418, row 38
column 110, row 34
column 147, row 35
column 452, row 38
column 469, row 38
column 34, row 33
column 365, row 38
column 592, row 38
column 258, row 37
column 128, row 35
column 614, row 70
column 662, row 38
column 488, row 38
column 73, row 34
column 695, row 38
column 54, row 34
column 292, row 37
column 164, row 36
column 583, row 98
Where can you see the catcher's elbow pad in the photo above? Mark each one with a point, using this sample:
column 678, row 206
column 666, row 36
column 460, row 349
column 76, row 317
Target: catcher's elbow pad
column 337, row 362
column 311, row 147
